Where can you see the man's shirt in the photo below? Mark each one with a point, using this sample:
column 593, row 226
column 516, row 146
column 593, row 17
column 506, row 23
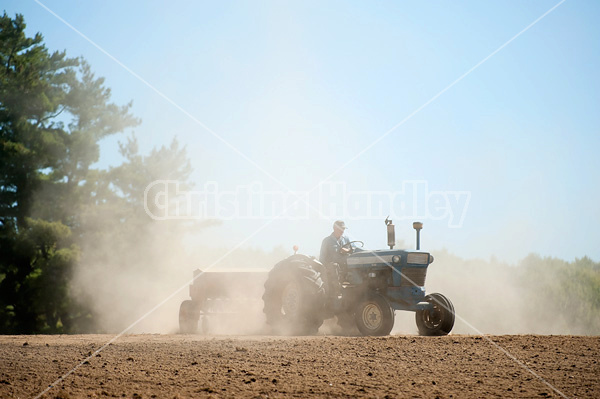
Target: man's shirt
column 330, row 249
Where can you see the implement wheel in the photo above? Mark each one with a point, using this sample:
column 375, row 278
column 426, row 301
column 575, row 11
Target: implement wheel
column 188, row 317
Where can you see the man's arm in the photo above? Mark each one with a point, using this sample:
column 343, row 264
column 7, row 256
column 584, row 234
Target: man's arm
column 344, row 240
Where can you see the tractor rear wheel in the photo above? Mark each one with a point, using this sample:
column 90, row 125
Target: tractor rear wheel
column 188, row 317
column 294, row 297
column 374, row 316
column 439, row 319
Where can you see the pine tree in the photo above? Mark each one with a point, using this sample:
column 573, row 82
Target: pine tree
column 53, row 112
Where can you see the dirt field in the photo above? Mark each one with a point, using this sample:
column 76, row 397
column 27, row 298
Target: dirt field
column 168, row 366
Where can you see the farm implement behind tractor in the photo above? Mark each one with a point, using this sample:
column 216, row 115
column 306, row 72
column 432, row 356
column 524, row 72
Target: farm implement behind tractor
column 362, row 292
column 219, row 298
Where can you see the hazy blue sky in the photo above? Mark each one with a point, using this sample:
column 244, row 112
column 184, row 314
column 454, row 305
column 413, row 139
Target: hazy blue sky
column 301, row 88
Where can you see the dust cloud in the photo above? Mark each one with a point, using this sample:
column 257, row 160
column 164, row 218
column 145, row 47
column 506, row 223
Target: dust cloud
column 122, row 278
column 494, row 297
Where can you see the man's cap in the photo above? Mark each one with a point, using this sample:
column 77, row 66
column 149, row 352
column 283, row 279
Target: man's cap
column 339, row 224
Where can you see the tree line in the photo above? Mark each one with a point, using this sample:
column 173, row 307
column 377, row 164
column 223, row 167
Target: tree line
column 53, row 202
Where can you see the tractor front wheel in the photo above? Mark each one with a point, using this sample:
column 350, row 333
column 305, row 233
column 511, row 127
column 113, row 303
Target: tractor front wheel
column 437, row 320
column 374, row 316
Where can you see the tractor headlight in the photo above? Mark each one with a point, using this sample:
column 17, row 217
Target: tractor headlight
column 396, row 259
column 418, row 258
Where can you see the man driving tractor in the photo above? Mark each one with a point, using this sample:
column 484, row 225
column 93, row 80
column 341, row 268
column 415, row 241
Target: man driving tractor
column 360, row 288
column 332, row 247
column 334, row 250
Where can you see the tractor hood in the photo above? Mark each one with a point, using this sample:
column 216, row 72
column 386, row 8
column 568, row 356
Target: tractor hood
column 387, row 257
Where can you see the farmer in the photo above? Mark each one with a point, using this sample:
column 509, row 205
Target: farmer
column 332, row 247
column 333, row 257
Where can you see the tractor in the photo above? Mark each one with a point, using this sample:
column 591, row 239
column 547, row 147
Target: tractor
column 362, row 292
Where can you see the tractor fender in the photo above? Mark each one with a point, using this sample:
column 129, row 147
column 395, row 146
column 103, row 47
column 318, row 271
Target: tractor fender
column 314, row 262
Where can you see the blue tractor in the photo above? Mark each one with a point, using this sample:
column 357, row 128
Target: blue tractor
column 362, row 293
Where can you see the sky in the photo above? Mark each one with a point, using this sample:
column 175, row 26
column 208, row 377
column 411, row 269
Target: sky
column 357, row 105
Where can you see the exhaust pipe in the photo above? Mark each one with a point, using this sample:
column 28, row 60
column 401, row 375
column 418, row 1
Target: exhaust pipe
column 418, row 226
column 391, row 233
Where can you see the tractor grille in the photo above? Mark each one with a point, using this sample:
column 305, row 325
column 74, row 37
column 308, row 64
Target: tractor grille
column 413, row 276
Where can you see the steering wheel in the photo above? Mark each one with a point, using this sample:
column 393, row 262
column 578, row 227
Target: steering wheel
column 349, row 245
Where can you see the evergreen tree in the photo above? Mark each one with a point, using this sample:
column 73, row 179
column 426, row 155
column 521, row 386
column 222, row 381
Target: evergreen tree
column 53, row 112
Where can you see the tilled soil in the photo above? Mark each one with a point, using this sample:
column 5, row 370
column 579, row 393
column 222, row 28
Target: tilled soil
column 167, row 366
